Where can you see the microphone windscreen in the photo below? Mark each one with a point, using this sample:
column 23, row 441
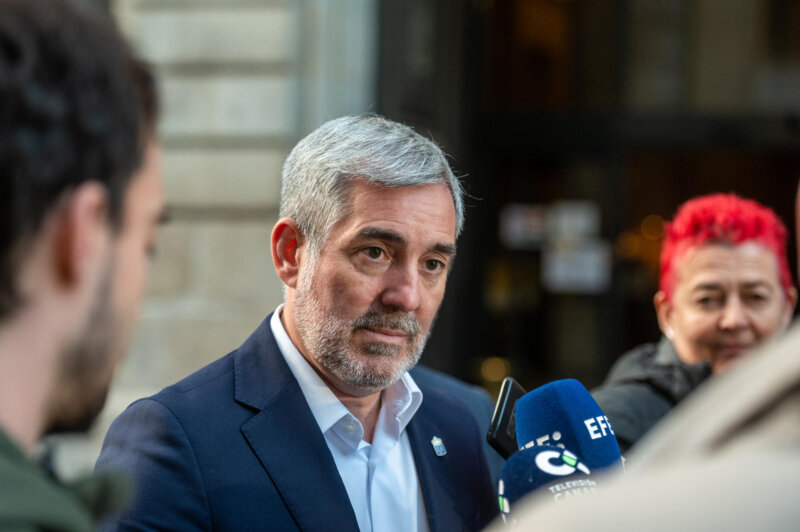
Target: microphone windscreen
column 563, row 413
column 546, row 469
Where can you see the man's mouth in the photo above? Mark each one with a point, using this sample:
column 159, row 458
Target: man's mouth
column 385, row 335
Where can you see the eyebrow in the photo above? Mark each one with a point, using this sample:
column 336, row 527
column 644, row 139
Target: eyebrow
column 395, row 238
column 756, row 284
column 718, row 286
column 706, row 286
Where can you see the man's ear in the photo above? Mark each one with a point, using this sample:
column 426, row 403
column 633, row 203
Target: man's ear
column 80, row 232
column 287, row 242
column 664, row 313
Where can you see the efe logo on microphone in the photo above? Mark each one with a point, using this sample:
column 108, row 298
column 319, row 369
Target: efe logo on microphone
column 598, row 427
column 547, row 439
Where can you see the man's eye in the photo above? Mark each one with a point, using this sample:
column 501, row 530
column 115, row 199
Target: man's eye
column 434, row 265
column 373, row 252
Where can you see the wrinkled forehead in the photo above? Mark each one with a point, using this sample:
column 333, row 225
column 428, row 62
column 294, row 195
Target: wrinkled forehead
column 711, row 263
column 358, row 185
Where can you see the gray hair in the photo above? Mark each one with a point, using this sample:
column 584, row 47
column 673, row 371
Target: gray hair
column 319, row 170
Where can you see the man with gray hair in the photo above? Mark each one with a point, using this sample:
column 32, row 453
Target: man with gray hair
column 314, row 423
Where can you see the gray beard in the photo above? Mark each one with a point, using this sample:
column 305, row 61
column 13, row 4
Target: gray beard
column 327, row 339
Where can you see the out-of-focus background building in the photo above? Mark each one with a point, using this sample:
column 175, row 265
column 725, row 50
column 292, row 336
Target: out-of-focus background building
column 579, row 126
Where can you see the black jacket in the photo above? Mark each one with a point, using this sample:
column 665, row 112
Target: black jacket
column 643, row 386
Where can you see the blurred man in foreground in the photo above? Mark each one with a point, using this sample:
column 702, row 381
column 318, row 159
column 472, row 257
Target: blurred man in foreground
column 726, row 459
column 315, row 423
column 80, row 199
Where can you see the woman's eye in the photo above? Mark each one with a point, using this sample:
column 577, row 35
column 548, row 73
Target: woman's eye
column 706, row 301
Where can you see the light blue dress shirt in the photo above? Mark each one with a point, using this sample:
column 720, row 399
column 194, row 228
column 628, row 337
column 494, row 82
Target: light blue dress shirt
column 380, row 478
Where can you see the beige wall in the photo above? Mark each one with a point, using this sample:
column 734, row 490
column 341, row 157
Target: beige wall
column 241, row 81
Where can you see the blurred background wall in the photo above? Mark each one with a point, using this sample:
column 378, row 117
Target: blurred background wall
column 241, row 81
column 579, row 126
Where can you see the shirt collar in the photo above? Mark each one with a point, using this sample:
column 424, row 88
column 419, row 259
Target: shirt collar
column 324, row 405
column 400, row 401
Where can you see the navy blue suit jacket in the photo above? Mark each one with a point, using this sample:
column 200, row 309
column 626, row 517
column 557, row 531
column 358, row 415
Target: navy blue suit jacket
column 476, row 399
column 236, row 447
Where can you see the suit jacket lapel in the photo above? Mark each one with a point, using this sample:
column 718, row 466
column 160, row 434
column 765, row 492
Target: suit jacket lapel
column 433, row 474
column 287, row 439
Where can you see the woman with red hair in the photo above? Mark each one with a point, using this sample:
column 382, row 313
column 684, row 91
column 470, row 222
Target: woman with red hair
column 724, row 288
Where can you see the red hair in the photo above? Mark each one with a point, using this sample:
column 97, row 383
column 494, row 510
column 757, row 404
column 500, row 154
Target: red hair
column 722, row 218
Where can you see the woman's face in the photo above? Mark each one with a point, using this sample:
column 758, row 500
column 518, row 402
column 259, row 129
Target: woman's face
column 727, row 299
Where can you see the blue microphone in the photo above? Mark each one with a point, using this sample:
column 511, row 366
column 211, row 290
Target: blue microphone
column 546, row 469
column 564, row 414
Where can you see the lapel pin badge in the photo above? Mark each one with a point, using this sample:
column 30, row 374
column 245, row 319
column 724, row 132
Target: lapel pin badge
column 438, row 446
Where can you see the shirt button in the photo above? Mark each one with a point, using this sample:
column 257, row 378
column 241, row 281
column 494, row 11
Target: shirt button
column 350, row 426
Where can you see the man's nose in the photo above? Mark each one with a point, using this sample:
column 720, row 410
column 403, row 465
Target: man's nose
column 402, row 290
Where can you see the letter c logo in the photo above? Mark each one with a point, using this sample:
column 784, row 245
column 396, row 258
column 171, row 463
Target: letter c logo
column 544, row 461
